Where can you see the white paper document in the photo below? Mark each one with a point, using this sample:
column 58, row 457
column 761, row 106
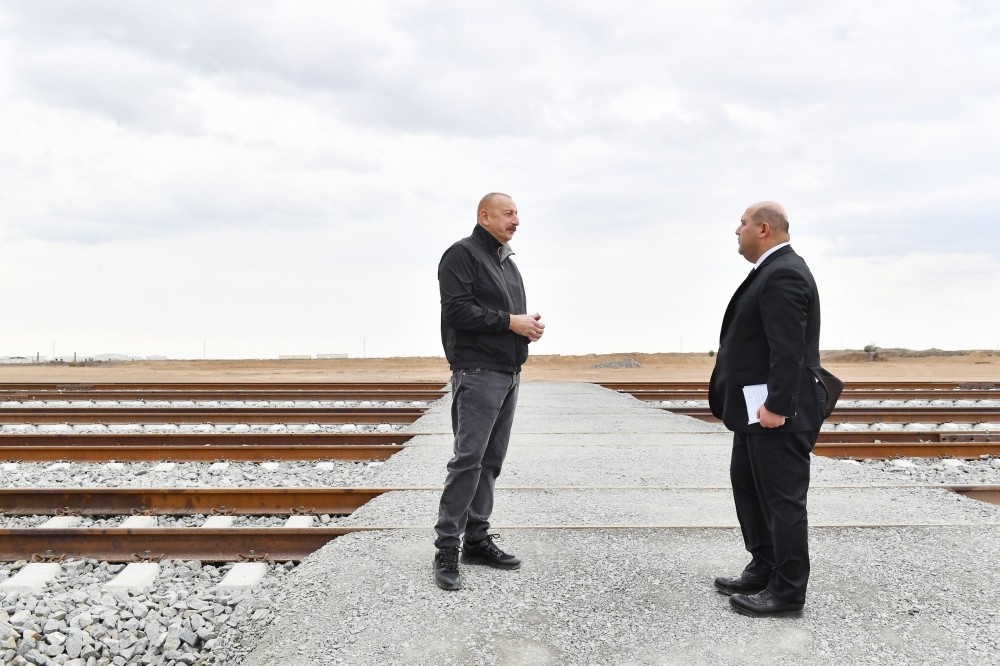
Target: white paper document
column 754, row 395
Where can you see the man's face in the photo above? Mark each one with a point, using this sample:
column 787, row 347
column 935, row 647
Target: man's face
column 500, row 219
column 748, row 238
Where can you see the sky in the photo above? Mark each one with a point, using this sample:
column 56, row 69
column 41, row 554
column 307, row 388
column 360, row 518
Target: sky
column 257, row 179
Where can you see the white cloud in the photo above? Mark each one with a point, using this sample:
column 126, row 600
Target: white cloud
column 316, row 153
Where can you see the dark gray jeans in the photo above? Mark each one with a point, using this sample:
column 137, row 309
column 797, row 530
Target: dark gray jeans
column 482, row 413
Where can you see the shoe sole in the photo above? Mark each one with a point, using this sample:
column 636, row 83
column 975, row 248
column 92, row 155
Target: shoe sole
column 445, row 586
column 728, row 591
column 743, row 610
column 468, row 559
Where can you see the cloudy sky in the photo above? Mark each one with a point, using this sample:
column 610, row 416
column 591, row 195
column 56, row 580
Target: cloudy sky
column 254, row 179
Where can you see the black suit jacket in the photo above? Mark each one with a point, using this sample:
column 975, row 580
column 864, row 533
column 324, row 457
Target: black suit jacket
column 770, row 335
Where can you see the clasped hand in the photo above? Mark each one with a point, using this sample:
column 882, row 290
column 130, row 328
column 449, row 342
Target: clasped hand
column 530, row 326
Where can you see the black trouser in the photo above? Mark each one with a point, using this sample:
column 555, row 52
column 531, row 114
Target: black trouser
column 482, row 413
column 770, row 476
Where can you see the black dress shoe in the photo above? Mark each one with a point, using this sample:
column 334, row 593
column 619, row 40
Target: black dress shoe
column 446, row 569
column 486, row 552
column 764, row 604
column 745, row 583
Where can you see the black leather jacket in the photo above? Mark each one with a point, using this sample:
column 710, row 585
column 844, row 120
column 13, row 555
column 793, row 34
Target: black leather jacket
column 480, row 288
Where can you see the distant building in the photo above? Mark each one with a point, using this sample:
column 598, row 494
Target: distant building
column 112, row 357
column 331, row 355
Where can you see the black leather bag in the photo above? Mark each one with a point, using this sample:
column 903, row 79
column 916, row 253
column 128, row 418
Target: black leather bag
column 834, row 387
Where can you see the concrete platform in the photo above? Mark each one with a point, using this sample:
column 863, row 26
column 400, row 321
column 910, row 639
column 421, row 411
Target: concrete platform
column 623, row 516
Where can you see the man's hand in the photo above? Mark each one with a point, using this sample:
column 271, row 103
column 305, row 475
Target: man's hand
column 530, row 326
column 769, row 419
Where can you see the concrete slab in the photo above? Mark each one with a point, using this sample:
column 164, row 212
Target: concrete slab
column 61, row 522
column 139, row 522
column 219, row 522
column 136, row 576
column 242, row 576
column 32, row 577
column 623, row 515
column 299, row 521
column 631, row 597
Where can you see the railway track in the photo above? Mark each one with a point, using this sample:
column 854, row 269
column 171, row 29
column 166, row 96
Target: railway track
column 883, row 414
column 849, row 394
column 247, row 395
column 218, row 387
column 873, row 444
column 186, row 447
column 882, row 387
column 207, row 543
column 225, row 415
column 211, row 544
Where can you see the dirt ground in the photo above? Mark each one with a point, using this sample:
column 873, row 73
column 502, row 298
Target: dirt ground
column 899, row 365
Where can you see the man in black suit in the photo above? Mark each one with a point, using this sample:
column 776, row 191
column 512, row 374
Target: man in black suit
column 770, row 337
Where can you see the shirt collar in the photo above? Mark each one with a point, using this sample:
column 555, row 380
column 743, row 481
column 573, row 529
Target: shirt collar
column 769, row 253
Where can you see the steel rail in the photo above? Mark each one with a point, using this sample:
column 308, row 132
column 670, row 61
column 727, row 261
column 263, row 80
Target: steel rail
column 850, row 394
column 246, row 395
column 189, row 543
column 881, row 414
column 398, row 415
column 873, row 451
column 206, row 440
column 888, row 387
column 890, row 436
column 213, row 453
column 184, row 501
column 70, row 387
column 983, row 493
column 188, row 447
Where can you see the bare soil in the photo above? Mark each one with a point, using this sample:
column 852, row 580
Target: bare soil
column 890, row 365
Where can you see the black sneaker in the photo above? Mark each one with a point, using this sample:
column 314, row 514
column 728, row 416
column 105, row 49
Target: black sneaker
column 486, row 552
column 446, row 569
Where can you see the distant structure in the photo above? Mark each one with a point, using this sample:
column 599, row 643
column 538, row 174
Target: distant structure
column 331, row 355
column 113, row 357
column 16, row 360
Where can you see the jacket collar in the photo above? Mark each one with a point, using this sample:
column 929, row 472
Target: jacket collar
column 777, row 253
column 486, row 240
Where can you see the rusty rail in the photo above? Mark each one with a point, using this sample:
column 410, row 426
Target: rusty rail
column 398, row 415
column 185, row 447
column 184, row 501
column 213, row 453
column 247, row 395
column 873, row 451
column 852, row 394
column 71, row 387
column 887, row 387
column 882, row 414
column 192, row 543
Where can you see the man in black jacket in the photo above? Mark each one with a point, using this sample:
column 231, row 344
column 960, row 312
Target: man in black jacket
column 485, row 333
column 770, row 339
